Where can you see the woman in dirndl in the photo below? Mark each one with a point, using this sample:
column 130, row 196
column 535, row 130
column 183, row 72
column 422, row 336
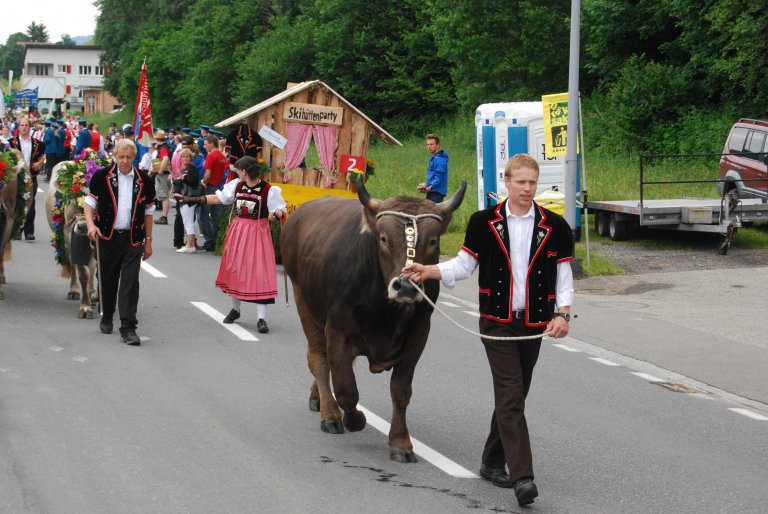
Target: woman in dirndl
column 247, row 271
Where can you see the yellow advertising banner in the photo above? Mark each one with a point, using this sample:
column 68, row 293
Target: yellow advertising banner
column 296, row 195
column 555, row 124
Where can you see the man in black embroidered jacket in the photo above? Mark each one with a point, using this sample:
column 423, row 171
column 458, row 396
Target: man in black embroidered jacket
column 525, row 288
column 119, row 211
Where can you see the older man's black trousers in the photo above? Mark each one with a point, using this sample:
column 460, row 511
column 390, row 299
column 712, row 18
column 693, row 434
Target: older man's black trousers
column 120, row 266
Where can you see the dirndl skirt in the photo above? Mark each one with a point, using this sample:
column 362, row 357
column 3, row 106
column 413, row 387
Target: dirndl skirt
column 248, row 269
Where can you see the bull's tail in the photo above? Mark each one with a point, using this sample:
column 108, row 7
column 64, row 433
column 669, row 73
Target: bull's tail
column 65, row 271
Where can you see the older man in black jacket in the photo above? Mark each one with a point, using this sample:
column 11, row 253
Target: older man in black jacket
column 118, row 211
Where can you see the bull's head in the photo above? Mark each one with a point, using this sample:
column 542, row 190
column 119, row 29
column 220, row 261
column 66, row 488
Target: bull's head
column 408, row 230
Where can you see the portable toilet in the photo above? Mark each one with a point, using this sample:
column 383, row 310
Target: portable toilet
column 506, row 129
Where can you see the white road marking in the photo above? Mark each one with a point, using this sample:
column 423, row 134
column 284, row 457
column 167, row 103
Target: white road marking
column 152, row 270
column 473, row 313
column 565, row 347
column 449, row 304
column 80, row 359
column 145, row 338
column 422, row 450
column 647, row 377
column 604, row 361
column 55, row 348
column 236, row 329
column 750, row 414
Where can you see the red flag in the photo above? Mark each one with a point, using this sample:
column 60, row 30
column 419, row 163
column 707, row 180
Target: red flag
column 142, row 116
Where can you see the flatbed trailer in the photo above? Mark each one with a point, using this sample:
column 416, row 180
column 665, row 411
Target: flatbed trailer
column 619, row 219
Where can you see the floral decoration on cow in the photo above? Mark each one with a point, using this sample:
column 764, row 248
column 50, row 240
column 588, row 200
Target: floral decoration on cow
column 72, row 181
column 8, row 161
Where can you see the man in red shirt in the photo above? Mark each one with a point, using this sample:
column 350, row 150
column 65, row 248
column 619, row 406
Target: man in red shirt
column 95, row 138
column 215, row 164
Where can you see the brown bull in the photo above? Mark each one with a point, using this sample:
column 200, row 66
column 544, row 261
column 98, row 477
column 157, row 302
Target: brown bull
column 344, row 259
column 81, row 269
column 8, row 209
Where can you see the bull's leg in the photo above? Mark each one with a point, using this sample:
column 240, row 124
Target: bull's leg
column 2, row 274
column 317, row 360
column 94, row 296
column 400, row 446
column 86, row 311
column 314, row 398
column 343, row 376
column 74, row 293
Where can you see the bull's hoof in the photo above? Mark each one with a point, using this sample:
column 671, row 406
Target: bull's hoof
column 89, row 315
column 354, row 421
column 332, row 426
column 314, row 405
column 73, row 295
column 402, row 456
column 80, row 315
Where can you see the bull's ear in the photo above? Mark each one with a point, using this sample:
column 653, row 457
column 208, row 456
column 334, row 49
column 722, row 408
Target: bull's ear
column 453, row 203
column 371, row 204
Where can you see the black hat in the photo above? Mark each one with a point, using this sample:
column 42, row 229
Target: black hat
column 48, row 123
column 205, row 127
column 83, row 123
column 186, row 129
column 195, row 133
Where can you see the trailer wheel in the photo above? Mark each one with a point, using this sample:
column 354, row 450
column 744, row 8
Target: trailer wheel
column 618, row 230
column 601, row 223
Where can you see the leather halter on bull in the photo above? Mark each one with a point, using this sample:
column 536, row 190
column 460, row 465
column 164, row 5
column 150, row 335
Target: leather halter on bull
column 411, row 223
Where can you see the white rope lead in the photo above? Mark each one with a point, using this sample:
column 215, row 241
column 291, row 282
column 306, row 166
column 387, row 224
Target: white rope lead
column 465, row 329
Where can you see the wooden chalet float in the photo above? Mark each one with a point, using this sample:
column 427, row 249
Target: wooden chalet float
column 311, row 111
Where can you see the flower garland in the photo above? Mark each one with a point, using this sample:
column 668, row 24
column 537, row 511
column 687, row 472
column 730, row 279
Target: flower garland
column 8, row 161
column 370, row 168
column 72, row 181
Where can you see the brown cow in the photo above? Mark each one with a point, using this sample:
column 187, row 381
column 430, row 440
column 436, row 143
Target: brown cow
column 79, row 271
column 344, row 260
column 8, row 209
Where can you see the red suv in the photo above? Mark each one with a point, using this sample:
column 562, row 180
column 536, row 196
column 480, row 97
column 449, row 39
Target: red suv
column 745, row 157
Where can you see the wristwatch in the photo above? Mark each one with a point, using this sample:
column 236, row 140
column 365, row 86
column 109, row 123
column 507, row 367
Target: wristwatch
column 147, row 238
column 564, row 315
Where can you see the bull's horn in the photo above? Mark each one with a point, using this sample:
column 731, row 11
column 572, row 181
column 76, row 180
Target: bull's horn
column 362, row 194
column 453, row 202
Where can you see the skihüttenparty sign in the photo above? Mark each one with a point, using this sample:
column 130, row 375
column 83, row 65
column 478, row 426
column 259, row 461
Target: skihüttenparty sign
column 313, row 114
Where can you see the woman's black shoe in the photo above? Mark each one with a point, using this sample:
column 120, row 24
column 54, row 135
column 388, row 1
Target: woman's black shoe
column 231, row 317
column 262, row 327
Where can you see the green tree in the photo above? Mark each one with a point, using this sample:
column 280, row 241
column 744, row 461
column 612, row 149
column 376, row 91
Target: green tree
column 37, row 32
column 66, row 39
column 12, row 55
column 382, row 59
column 502, row 50
column 284, row 53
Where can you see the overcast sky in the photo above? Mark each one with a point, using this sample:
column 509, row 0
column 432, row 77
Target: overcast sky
column 73, row 17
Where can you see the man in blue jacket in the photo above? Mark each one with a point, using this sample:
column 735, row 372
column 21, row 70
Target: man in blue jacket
column 83, row 139
column 51, row 149
column 436, row 185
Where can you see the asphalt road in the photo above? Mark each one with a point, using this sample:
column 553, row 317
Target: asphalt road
column 200, row 420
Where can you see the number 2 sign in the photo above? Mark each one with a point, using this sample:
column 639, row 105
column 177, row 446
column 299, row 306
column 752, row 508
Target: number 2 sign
column 350, row 163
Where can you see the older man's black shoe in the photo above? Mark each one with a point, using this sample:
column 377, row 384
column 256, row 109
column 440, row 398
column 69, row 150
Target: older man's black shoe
column 525, row 491
column 105, row 326
column 497, row 476
column 129, row 337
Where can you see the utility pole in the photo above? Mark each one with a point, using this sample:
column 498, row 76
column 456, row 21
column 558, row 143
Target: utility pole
column 571, row 157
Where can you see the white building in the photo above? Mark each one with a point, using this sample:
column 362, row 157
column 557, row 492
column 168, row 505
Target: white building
column 68, row 73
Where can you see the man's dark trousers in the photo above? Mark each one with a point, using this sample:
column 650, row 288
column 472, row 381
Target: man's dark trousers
column 512, row 364
column 29, row 221
column 120, row 266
